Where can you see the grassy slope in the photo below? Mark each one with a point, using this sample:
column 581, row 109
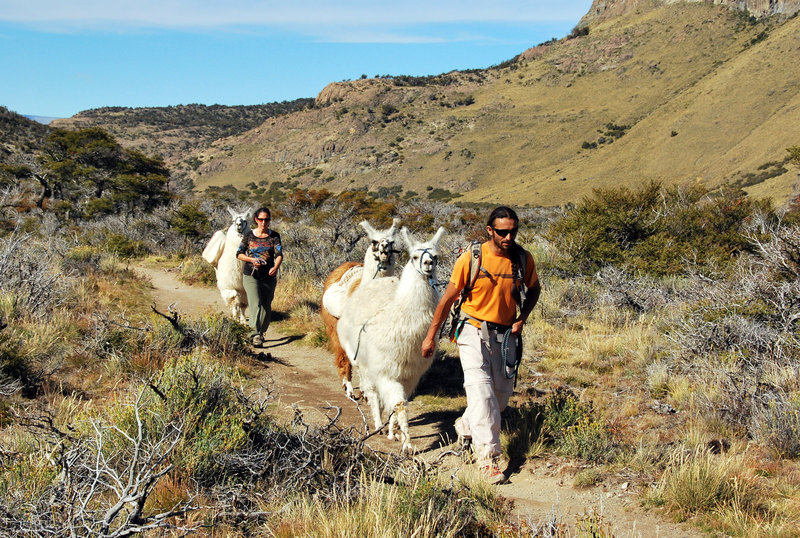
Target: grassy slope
column 682, row 68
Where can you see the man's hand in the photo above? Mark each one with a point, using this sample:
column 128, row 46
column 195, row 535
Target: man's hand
column 428, row 345
column 439, row 315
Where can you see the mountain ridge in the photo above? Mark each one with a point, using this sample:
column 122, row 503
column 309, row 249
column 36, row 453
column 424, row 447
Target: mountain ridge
column 667, row 91
column 537, row 130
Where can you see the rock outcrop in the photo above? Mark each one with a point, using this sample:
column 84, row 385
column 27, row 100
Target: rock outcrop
column 606, row 9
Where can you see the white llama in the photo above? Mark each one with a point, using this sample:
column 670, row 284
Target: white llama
column 379, row 261
column 382, row 327
column 221, row 253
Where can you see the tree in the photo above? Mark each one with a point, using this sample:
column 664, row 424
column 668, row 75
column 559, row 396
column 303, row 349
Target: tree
column 88, row 165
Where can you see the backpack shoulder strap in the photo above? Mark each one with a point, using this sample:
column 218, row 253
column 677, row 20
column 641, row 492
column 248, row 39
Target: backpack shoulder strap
column 475, row 260
column 519, row 263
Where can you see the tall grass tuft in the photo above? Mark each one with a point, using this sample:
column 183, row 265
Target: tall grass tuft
column 700, row 481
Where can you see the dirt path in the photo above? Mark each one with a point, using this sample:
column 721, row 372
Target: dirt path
column 306, row 378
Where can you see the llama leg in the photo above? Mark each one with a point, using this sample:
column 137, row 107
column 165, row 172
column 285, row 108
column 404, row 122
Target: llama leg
column 374, row 404
column 242, row 298
column 393, row 428
column 232, row 302
column 345, row 370
column 402, row 422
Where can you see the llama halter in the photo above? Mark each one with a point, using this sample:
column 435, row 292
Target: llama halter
column 383, row 251
column 434, row 260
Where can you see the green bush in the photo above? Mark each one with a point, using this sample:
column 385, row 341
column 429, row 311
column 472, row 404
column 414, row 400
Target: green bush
column 196, row 270
column 201, row 395
column 656, row 230
column 562, row 422
column 124, row 247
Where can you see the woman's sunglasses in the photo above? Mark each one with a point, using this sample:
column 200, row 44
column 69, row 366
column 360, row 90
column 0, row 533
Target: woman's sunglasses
column 264, row 219
column 503, row 233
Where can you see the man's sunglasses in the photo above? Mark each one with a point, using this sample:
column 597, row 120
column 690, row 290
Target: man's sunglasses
column 503, row 233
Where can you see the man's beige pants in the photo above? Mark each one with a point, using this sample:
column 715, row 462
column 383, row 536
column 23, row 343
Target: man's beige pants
column 487, row 388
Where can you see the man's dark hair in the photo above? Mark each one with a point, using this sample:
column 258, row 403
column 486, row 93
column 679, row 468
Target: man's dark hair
column 502, row 212
column 262, row 210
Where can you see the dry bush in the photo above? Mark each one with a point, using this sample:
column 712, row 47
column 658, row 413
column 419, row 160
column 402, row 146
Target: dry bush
column 96, row 489
column 739, row 341
column 31, row 275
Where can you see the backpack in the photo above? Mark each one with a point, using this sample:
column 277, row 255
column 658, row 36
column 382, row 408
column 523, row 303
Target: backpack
column 518, row 267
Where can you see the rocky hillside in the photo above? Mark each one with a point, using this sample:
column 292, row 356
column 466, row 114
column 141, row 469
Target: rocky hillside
column 19, row 135
column 176, row 132
column 607, row 9
column 680, row 92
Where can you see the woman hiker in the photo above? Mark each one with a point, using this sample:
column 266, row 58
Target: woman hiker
column 262, row 255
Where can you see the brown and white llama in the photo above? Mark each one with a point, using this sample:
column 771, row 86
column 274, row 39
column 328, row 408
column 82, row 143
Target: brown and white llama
column 221, row 253
column 382, row 327
column 380, row 260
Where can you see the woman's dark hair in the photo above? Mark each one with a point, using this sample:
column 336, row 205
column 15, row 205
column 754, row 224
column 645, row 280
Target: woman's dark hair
column 262, row 210
column 502, row 212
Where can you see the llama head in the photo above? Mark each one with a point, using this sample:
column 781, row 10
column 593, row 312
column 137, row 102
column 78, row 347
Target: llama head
column 240, row 220
column 382, row 242
column 423, row 256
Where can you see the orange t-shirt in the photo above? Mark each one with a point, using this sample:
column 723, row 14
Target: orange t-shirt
column 492, row 297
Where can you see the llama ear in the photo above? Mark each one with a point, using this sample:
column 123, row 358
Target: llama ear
column 407, row 238
column 439, row 233
column 393, row 229
column 231, row 212
column 369, row 229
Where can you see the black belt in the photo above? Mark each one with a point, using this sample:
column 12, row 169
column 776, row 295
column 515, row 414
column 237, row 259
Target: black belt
column 493, row 326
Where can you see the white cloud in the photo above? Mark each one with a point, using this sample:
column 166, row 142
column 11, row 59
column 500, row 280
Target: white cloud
column 305, row 14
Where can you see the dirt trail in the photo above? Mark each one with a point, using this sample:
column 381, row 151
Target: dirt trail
column 306, row 378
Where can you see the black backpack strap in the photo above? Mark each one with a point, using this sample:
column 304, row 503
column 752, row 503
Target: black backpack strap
column 519, row 263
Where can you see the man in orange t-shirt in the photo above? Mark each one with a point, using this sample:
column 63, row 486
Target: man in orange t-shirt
column 489, row 321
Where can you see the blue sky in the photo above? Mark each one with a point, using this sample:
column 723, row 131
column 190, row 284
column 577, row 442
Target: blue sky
column 64, row 56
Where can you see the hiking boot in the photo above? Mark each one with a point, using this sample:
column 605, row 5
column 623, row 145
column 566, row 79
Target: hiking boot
column 257, row 340
column 492, row 474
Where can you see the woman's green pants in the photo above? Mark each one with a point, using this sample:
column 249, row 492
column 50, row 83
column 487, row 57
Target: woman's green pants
column 260, row 292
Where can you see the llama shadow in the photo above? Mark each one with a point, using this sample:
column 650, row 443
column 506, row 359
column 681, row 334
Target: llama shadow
column 442, row 422
column 444, row 378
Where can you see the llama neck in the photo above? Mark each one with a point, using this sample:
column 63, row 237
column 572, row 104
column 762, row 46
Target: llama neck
column 374, row 269
column 414, row 290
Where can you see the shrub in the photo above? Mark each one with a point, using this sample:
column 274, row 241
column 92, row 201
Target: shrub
column 31, row 278
column 119, row 244
column 196, row 270
column 654, row 230
column 699, row 481
column 561, row 421
column 588, row 439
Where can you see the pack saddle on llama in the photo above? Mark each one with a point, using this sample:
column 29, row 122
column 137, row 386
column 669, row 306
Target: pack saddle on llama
column 381, row 330
column 380, row 260
column 221, row 253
